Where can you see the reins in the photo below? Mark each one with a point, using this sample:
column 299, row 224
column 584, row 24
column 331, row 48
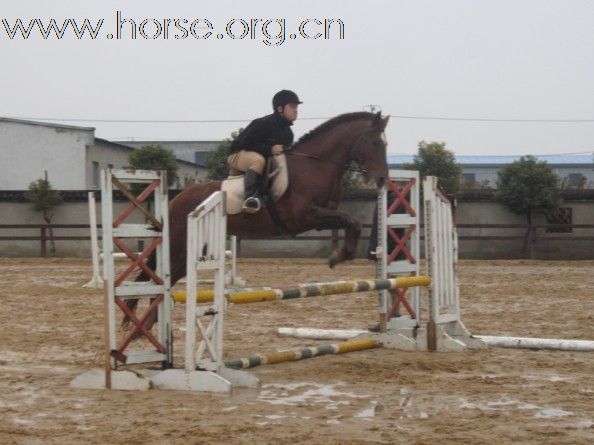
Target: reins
column 348, row 165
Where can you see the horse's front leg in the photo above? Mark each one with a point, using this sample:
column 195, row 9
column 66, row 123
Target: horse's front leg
column 327, row 219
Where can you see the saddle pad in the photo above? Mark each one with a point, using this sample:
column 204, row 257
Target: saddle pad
column 234, row 186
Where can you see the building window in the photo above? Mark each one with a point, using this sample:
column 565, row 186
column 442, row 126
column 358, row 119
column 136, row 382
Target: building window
column 110, row 166
column 95, row 174
column 576, row 180
column 469, row 177
column 200, row 157
column 562, row 215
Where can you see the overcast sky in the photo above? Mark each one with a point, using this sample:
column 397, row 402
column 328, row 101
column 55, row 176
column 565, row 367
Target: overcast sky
column 469, row 59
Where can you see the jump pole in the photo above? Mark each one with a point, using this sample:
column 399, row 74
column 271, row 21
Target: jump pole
column 303, row 353
column 500, row 342
column 538, row 343
column 255, row 295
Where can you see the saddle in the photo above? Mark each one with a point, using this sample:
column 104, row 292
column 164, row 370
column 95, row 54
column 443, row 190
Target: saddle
column 276, row 181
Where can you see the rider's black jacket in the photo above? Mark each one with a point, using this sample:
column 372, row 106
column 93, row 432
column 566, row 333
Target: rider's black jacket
column 262, row 133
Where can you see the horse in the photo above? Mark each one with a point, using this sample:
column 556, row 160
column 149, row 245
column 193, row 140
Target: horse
column 316, row 164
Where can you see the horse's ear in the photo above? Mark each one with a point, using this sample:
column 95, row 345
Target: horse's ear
column 377, row 119
column 380, row 122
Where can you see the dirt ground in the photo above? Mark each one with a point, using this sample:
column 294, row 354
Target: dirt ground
column 51, row 331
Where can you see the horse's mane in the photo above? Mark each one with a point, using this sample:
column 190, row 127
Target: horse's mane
column 330, row 124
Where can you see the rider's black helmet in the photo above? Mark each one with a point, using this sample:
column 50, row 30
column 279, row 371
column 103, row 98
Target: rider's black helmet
column 284, row 97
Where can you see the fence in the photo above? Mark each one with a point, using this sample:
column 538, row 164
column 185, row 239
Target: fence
column 40, row 234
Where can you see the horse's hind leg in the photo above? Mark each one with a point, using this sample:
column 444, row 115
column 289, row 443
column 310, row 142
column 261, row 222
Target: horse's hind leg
column 326, row 219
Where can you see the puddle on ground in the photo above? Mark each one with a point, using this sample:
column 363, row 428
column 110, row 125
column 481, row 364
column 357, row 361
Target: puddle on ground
column 23, row 395
column 552, row 413
column 584, row 423
column 504, row 404
column 272, row 418
column 334, row 398
column 293, row 394
column 23, row 422
column 368, row 412
column 550, row 378
column 497, row 405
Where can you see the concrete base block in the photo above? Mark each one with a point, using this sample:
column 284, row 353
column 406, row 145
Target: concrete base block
column 457, row 331
column 120, row 380
column 180, row 380
column 221, row 381
column 397, row 340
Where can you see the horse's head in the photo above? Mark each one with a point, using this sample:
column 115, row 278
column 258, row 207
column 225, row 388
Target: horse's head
column 369, row 150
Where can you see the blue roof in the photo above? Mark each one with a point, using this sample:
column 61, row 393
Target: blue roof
column 585, row 159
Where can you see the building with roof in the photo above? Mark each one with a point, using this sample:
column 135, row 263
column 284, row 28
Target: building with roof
column 575, row 171
column 190, row 151
column 72, row 156
column 107, row 154
column 29, row 148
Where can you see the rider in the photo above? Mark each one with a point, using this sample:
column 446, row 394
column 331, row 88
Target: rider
column 262, row 138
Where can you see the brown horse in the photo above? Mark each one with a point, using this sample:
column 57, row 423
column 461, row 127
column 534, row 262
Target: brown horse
column 316, row 165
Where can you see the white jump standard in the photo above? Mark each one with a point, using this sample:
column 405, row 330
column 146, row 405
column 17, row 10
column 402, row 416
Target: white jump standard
column 445, row 330
column 204, row 368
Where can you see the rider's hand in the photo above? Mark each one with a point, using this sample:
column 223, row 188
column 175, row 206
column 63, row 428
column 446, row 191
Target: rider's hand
column 277, row 149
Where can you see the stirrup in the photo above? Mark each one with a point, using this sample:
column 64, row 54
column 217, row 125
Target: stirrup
column 252, row 205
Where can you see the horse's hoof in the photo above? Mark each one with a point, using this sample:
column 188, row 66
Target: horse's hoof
column 333, row 260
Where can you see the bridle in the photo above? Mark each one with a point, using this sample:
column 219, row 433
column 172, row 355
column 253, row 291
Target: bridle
column 354, row 165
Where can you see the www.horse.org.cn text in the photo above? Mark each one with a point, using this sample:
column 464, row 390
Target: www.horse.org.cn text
column 269, row 31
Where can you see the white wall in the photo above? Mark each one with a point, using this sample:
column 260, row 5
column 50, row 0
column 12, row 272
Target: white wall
column 27, row 149
column 106, row 155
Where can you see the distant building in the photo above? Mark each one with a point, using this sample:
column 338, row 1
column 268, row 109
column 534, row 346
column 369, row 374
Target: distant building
column 574, row 171
column 71, row 155
column 191, row 151
column 107, row 154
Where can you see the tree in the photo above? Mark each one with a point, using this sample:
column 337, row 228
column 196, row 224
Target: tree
column 216, row 160
column 155, row 157
column 44, row 198
column 433, row 159
column 526, row 187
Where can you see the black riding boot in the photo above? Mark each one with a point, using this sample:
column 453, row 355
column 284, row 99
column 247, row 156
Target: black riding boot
column 252, row 203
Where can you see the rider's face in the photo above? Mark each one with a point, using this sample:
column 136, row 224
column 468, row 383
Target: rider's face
column 289, row 112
